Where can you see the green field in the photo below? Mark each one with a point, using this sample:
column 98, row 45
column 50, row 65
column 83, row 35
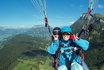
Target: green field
column 33, row 64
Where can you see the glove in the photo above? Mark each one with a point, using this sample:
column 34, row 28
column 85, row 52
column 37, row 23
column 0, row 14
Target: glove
column 74, row 37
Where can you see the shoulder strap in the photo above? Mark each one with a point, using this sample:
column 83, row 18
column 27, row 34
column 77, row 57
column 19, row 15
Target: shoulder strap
column 58, row 50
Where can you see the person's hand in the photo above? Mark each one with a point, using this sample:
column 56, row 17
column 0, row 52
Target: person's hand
column 76, row 37
column 55, row 37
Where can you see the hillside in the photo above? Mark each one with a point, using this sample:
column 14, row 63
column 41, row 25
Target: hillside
column 24, row 48
column 95, row 58
column 7, row 33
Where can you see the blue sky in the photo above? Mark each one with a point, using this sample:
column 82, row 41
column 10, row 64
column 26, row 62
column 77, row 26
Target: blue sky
column 59, row 12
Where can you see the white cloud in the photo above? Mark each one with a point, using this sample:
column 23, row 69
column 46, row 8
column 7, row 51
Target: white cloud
column 100, row 6
column 41, row 22
column 70, row 23
column 11, row 26
column 24, row 26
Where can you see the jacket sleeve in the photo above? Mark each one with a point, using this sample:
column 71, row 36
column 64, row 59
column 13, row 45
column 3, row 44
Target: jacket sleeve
column 84, row 44
column 53, row 47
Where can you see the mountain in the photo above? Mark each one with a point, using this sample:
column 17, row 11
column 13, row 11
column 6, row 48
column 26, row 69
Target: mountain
column 7, row 33
column 26, row 49
column 94, row 59
column 98, row 19
column 39, row 31
column 24, row 44
column 24, row 52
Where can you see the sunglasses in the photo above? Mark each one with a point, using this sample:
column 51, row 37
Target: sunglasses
column 66, row 33
column 55, row 33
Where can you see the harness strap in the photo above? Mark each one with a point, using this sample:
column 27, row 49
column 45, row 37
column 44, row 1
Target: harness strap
column 82, row 55
column 68, row 62
column 58, row 52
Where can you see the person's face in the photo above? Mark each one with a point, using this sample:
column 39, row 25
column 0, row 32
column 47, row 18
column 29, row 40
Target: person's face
column 56, row 35
column 66, row 36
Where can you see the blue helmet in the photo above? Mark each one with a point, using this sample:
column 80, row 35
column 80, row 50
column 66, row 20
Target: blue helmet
column 66, row 29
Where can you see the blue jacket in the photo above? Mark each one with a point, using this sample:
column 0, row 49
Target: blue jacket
column 55, row 44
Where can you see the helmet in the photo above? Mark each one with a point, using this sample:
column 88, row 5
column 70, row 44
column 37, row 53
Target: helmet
column 56, row 30
column 66, row 29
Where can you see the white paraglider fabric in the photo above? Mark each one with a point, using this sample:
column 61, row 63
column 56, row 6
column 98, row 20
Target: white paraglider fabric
column 76, row 66
column 62, row 67
column 85, row 67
